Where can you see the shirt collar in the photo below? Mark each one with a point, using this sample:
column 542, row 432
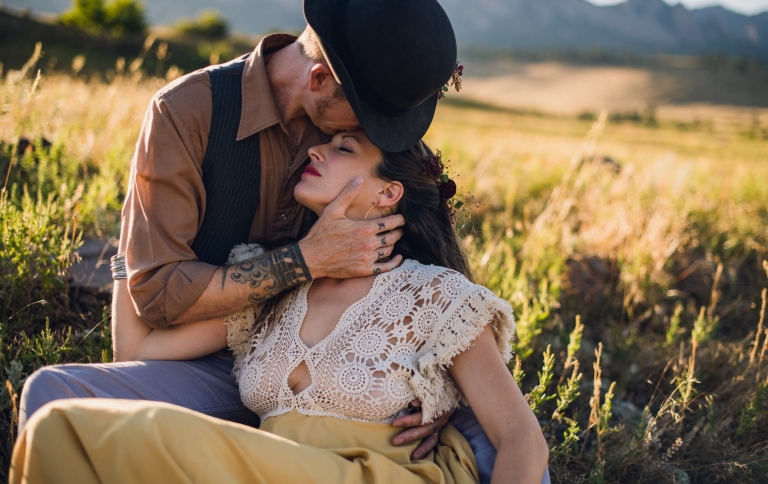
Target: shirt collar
column 259, row 110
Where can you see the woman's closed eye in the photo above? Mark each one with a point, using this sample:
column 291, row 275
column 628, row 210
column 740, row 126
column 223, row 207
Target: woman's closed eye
column 344, row 149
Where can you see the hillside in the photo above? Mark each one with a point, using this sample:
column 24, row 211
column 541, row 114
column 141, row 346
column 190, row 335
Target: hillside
column 644, row 26
column 155, row 55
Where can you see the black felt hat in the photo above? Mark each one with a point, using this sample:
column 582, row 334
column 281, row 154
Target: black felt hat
column 391, row 57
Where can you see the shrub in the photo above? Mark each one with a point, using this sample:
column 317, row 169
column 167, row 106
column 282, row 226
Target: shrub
column 118, row 17
column 125, row 17
column 209, row 25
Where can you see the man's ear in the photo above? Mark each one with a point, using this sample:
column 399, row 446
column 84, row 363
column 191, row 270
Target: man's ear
column 390, row 194
column 321, row 78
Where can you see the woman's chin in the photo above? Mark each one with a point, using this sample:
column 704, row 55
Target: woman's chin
column 307, row 200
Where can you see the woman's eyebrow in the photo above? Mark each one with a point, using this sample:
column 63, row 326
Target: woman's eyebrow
column 350, row 136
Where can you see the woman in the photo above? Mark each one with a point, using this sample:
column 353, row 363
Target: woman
column 354, row 352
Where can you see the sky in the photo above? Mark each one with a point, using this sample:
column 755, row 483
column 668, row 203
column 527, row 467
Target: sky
column 748, row 7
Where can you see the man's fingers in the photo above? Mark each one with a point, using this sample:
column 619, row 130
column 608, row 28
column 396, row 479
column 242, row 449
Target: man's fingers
column 413, row 434
column 385, row 224
column 383, row 252
column 418, row 431
column 346, row 197
column 387, row 238
column 389, row 265
column 443, row 419
column 410, row 420
column 423, row 449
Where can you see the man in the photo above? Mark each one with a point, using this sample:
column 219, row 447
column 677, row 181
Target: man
column 216, row 162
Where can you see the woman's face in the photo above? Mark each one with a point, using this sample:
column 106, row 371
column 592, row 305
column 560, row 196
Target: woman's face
column 337, row 163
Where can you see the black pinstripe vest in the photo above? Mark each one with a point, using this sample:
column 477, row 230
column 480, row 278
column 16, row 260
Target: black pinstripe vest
column 231, row 171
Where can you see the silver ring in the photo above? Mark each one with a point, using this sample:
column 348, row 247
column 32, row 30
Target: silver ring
column 436, row 433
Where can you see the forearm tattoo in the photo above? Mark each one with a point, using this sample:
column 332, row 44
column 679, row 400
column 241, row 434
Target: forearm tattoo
column 272, row 273
column 224, row 276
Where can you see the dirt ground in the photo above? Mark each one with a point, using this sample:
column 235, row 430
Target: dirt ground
column 92, row 271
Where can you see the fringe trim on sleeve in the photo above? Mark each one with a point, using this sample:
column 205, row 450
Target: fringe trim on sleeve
column 239, row 337
column 239, row 325
column 432, row 382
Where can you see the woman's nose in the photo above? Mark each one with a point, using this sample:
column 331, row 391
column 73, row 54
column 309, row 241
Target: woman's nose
column 314, row 153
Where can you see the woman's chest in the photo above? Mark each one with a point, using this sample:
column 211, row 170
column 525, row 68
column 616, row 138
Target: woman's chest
column 362, row 368
column 327, row 303
column 361, row 341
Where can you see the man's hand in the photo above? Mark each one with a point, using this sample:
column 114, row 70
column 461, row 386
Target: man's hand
column 418, row 431
column 342, row 248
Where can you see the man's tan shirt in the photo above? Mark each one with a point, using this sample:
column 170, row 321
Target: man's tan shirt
column 165, row 203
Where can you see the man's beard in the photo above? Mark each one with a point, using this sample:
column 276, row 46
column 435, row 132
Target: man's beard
column 323, row 105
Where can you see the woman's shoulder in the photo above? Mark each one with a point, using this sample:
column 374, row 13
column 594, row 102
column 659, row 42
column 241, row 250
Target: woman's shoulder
column 456, row 298
column 452, row 312
column 442, row 279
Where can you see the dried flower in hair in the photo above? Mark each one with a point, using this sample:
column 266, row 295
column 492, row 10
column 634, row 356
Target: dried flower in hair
column 454, row 81
column 435, row 169
column 433, row 166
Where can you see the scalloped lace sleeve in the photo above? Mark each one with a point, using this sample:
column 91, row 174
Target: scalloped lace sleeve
column 466, row 309
column 239, row 324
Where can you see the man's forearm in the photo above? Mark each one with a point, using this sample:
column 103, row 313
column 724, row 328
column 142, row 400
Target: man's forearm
column 234, row 288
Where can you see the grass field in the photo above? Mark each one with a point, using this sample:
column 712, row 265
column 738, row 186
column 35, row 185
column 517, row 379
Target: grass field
column 684, row 89
column 634, row 251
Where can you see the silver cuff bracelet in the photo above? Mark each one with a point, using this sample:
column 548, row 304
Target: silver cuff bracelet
column 117, row 265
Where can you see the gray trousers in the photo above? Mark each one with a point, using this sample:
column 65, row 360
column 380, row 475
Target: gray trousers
column 204, row 385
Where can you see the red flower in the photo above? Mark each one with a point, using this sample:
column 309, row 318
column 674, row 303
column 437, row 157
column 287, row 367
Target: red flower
column 447, row 190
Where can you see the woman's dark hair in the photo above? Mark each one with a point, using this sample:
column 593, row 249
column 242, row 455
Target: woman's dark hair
column 428, row 235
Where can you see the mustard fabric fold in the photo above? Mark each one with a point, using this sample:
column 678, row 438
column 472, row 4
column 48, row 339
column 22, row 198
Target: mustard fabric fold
column 126, row 441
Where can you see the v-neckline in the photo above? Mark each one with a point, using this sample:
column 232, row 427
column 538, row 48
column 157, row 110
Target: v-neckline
column 304, row 299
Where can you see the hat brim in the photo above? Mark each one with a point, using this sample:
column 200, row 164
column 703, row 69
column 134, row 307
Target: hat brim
column 389, row 133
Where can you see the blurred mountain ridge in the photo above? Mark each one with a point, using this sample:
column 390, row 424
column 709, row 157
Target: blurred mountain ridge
column 646, row 26
column 642, row 26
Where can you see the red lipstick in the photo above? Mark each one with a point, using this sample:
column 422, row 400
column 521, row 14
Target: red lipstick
column 311, row 171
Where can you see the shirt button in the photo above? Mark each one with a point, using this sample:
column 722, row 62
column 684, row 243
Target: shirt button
column 283, row 217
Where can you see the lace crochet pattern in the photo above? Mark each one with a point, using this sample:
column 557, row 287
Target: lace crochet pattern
column 393, row 345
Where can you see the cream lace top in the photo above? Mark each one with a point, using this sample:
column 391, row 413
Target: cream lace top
column 393, row 345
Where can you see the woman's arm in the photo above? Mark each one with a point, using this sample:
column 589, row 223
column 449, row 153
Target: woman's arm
column 135, row 341
column 502, row 411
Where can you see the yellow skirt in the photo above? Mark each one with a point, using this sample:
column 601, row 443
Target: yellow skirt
column 115, row 441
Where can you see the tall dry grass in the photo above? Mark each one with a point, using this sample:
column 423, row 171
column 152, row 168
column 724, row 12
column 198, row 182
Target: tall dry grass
column 656, row 237
column 634, row 255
